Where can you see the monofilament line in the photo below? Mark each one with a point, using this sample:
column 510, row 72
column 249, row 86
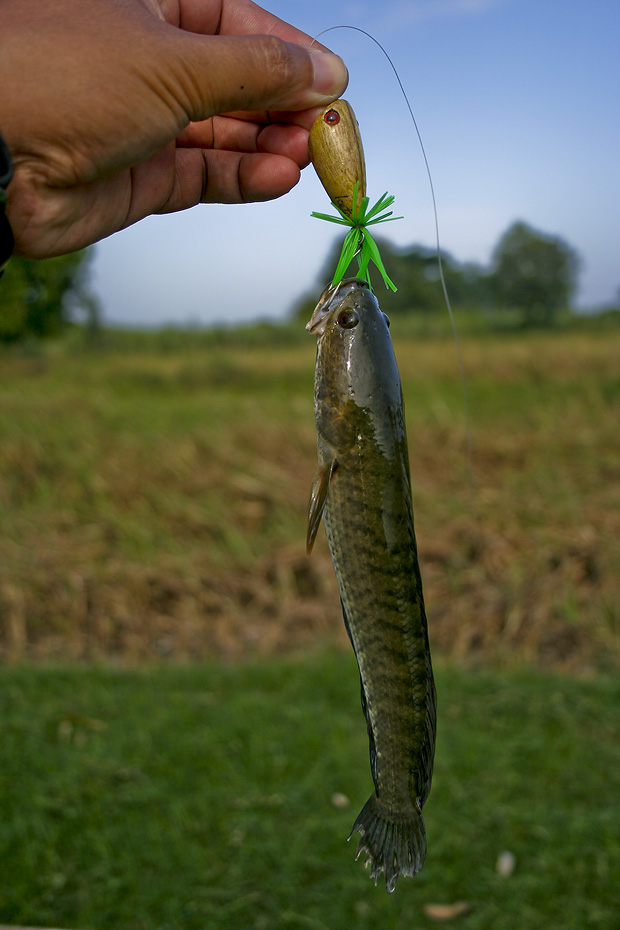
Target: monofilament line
column 437, row 239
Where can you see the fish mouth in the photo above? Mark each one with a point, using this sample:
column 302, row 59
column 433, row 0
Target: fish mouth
column 333, row 295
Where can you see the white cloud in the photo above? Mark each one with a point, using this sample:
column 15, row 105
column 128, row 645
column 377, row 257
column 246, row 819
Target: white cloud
column 405, row 12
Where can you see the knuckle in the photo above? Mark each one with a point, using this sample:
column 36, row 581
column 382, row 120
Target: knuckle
column 281, row 64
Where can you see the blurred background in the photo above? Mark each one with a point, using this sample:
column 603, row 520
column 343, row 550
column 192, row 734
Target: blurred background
column 181, row 742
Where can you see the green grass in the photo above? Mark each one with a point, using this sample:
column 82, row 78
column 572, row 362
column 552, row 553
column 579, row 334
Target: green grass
column 152, row 502
column 200, row 797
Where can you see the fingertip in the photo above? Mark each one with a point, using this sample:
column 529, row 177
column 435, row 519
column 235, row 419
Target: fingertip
column 330, row 74
column 267, row 177
column 290, row 141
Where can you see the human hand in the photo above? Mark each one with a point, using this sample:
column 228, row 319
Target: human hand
column 116, row 109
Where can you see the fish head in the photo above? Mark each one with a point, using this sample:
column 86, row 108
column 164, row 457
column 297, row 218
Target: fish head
column 355, row 357
column 347, row 294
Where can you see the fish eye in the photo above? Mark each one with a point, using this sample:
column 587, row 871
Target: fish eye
column 387, row 319
column 348, row 319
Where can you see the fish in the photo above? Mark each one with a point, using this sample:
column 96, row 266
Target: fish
column 362, row 493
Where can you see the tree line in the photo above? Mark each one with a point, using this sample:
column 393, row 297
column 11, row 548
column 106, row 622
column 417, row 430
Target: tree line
column 531, row 273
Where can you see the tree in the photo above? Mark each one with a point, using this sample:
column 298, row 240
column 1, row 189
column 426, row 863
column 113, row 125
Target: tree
column 37, row 298
column 534, row 273
column 531, row 272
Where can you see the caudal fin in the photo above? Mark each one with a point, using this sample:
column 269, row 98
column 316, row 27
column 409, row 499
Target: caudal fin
column 393, row 847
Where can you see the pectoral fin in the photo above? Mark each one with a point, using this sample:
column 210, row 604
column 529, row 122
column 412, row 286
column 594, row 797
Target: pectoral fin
column 318, row 497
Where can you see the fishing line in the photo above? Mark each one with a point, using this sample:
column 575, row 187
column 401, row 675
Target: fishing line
column 437, row 239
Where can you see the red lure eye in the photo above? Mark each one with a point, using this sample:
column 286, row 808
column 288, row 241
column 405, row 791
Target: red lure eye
column 332, row 117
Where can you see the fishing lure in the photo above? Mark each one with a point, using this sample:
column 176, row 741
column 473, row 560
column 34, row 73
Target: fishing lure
column 336, row 151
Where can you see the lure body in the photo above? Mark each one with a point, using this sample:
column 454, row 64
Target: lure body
column 336, row 151
column 362, row 490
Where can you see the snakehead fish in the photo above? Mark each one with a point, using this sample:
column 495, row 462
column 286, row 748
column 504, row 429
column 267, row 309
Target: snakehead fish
column 362, row 491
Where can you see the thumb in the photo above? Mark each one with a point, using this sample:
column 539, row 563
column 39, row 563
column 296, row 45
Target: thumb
column 219, row 74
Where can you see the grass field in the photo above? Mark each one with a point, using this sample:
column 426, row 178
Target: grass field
column 222, row 796
column 153, row 497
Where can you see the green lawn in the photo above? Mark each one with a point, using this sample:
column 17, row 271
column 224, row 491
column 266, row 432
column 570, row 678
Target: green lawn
column 201, row 797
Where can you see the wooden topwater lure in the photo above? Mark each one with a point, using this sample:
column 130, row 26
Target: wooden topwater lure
column 337, row 154
column 336, row 151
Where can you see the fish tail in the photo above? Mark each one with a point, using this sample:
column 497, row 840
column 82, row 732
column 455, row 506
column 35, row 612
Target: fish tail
column 395, row 847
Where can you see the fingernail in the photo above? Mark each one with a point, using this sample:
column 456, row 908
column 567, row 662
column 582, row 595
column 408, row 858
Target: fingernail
column 330, row 74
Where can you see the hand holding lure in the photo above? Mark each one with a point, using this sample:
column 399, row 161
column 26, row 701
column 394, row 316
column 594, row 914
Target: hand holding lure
column 336, row 151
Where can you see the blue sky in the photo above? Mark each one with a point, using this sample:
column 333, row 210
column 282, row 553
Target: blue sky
column 518, row 104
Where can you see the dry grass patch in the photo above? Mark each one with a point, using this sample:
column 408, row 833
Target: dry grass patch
column 153, row 504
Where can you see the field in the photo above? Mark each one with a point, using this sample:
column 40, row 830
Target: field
column 153, row 497
column 181, row 741
column 221, row 797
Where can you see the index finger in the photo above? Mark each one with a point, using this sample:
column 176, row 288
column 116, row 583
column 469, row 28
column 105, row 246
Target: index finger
column 303, row 118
